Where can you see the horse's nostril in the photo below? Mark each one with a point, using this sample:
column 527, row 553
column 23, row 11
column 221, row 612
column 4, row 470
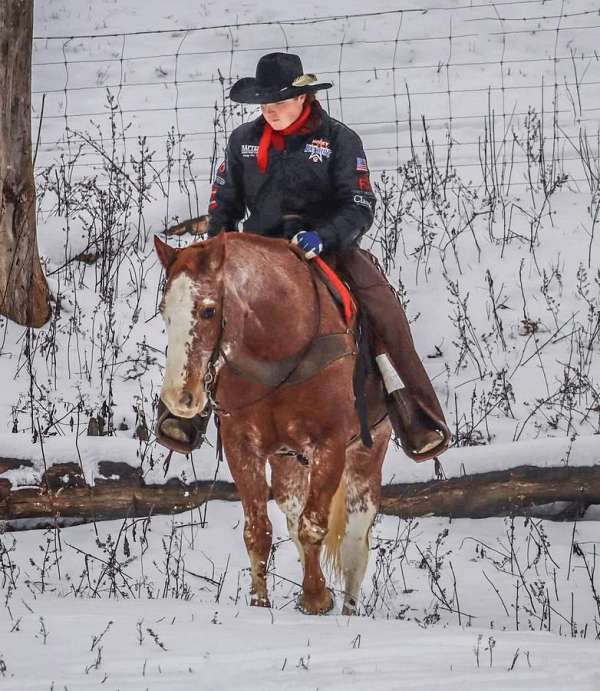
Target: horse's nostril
column 186, row 399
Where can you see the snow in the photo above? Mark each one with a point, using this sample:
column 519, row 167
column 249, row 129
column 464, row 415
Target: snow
column 519, row 389
column 247, row 649
column 189, row 585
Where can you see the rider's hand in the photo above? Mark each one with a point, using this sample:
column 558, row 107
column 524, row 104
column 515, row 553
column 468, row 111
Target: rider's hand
column 310, row 242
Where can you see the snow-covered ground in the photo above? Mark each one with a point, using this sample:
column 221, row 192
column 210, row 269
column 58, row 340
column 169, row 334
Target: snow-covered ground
column 171, row 598
column 497, row 260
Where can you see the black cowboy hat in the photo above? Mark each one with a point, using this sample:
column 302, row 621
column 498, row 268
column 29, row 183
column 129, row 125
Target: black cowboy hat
column 278, row 76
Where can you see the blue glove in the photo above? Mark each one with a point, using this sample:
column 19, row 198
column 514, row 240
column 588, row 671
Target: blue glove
column 310, row 242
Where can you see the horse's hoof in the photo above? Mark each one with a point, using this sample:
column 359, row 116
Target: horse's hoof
column 349, row 608
column 256, row 601
column 318, row 607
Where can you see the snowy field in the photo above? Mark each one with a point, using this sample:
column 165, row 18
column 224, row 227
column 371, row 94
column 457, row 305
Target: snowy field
column 495, row 250
column 162, row 604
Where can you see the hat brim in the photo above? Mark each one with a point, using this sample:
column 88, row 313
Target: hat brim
column 245, row 90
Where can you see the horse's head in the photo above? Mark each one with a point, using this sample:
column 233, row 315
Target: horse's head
column 192, row 311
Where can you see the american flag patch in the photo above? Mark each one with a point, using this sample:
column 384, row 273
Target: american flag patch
column 361, row 165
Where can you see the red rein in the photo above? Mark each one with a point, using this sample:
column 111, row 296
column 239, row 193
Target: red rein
column 347, row 300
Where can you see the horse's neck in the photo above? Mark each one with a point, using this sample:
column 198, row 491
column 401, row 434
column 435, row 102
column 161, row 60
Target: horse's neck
column 270, row 303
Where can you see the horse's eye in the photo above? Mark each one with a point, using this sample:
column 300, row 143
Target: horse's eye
column 208, row 313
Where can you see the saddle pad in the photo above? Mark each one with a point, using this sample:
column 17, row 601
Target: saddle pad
column 338, row 288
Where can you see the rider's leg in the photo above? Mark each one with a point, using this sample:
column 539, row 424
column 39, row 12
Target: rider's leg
column 415, row 411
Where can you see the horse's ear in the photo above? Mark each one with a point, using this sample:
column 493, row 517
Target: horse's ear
column 166, row 253
column 217, row 253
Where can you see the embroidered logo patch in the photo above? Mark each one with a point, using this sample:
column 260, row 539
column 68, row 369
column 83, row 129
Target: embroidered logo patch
column 317, row 150
column 362, row 201
column 249, row 150
column 364, row 183
column 361, row 165
column 213, row 204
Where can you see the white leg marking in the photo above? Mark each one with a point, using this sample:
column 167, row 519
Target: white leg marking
column 292, row 508
column 355, row 552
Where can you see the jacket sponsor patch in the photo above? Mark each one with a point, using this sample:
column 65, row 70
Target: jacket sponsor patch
column 249, row 150
column 213, row 204
column 362, row 201
column 361, row 165
column 364, row 183
column 219, row 180
column 317, row 150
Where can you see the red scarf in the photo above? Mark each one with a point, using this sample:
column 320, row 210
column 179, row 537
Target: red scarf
column 276, row 138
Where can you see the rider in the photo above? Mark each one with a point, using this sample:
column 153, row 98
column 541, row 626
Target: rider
column 303, row 175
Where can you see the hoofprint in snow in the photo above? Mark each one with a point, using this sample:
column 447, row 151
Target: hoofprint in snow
column 162, row 603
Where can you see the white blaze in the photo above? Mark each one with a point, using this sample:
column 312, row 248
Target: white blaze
column 178, row 316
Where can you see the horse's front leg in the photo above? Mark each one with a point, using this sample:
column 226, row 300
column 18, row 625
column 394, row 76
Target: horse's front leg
column 326, row 471
column 248, row 472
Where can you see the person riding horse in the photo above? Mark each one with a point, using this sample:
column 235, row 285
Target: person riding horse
column 303, row 175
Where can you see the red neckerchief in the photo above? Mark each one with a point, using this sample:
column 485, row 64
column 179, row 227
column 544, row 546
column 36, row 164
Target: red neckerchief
column 276, row 138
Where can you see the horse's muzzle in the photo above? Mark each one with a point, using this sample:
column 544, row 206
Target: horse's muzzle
column 180, row 434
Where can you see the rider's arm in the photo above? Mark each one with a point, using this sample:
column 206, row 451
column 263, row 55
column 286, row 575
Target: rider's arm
column 355, row 199
column 226, row 207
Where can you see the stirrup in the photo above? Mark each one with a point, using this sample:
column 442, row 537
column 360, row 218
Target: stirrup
column 418, row 439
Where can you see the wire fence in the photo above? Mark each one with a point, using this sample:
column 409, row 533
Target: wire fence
column 473, row 116
column 452, row 70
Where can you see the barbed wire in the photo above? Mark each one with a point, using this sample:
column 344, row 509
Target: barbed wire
column 466, row 163
column 338, row 98
column 395, row 119
column 214, row 80
column 405, row 66
column 297, row 20
column 404, row 121
column 448, row 188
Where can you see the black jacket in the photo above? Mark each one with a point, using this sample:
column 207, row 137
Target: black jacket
column 321, row 176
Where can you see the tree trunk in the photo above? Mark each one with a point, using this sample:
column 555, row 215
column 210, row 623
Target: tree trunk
column 24, row 295
column 120, row 491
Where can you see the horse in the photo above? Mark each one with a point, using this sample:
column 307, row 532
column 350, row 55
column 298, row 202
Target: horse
column 254, row 334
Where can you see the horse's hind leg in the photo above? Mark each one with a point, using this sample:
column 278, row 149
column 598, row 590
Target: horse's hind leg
column 363, row 481
column 355, row 552
column 248, row 472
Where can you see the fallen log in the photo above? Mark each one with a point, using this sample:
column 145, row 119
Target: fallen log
column 120, row 492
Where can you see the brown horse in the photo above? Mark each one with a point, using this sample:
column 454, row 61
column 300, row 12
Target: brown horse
column 254, row 333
